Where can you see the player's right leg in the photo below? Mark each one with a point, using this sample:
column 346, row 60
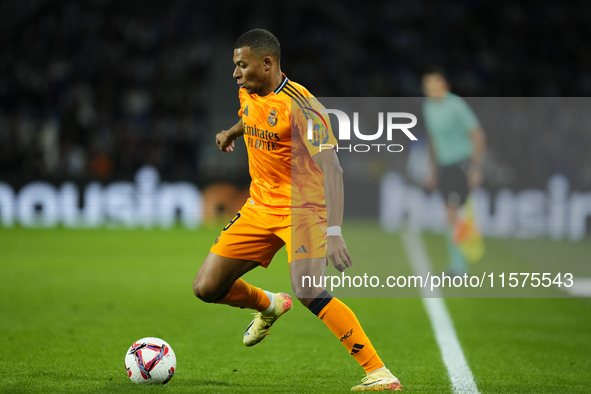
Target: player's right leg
column 218, row 274
column 218, row 281
column 245, row 243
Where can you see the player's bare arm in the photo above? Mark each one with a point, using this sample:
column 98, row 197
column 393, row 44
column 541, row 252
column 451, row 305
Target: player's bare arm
column 225, row 139
column 328, row 163
column 431, row 180
column 479, row 143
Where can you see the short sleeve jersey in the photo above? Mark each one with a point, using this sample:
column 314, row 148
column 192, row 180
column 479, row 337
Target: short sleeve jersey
column 449, row 122
column 284, row 174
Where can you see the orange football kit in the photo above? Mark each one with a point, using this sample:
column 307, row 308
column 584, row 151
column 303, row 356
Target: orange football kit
column 286, row 204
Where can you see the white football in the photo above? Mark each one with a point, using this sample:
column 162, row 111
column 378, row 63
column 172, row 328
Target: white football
column 150, row 361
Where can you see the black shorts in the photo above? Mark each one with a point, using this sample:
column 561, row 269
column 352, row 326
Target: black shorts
column 452, row 180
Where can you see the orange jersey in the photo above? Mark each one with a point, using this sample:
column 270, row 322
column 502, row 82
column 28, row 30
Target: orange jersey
column 284, row 175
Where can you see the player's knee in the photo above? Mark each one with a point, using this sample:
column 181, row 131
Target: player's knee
column 317, row 304
column 311, row 297
column 203, row 291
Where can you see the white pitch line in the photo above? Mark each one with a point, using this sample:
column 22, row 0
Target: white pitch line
column 581, row 287
column 461, row 377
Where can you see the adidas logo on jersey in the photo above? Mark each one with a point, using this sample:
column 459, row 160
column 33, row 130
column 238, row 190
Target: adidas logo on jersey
column 302, row 249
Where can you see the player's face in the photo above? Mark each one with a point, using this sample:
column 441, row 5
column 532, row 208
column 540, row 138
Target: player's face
column 249, row 71
column 435, row 86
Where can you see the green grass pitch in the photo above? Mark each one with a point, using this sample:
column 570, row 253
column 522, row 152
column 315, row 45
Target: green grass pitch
column 73, row 301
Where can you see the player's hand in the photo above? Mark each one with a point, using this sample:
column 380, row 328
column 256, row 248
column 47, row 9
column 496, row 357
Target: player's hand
column 224, row 141
column 475, row 178
column 338, row 253
column 431, row 179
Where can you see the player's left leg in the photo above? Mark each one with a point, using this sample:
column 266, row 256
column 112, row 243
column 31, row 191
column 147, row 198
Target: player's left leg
column 454, row 186
column 343, row 323
column 457, row 262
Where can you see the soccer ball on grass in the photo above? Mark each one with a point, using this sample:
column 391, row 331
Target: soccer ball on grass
column 150, row 361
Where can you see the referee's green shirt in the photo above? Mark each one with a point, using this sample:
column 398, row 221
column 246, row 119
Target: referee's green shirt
column 449, row 122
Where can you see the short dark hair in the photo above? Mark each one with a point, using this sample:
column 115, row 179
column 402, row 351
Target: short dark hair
column 435, row 70
column 262, row 41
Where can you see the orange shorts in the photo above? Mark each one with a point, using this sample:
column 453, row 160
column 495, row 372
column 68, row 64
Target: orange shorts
column 257, row 235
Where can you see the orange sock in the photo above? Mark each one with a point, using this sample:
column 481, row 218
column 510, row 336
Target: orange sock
column 344, row 325
column 243, row 295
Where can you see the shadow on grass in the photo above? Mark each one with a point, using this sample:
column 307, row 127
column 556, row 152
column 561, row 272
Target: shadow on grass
column 196, row 386
column 181, row 385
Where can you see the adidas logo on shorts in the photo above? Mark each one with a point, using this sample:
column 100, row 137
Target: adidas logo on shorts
column 302, row 249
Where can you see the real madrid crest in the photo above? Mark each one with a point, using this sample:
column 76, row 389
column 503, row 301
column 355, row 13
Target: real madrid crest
column 272, row 119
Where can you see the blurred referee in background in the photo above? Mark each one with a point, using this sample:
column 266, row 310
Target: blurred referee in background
column 456, row 150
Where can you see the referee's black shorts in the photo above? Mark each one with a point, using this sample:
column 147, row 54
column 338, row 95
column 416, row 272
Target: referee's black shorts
column 452, row 181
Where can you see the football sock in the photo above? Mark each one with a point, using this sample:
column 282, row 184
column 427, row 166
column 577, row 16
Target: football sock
column 243, row 295
column 384, row 367
column 271, row 301
column 343, row 323
column 457, row 262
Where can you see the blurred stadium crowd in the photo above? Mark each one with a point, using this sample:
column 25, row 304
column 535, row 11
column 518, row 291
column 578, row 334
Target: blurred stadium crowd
column 95, row 89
